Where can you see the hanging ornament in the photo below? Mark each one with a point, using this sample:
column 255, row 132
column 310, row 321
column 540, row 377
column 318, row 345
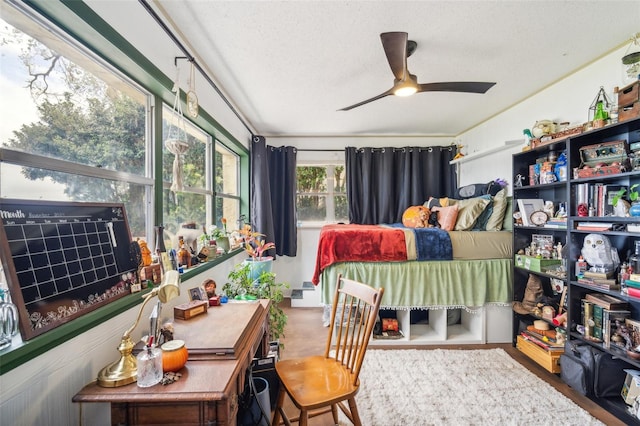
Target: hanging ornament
column 192, row 99
column 176, row 142
column 631, row 61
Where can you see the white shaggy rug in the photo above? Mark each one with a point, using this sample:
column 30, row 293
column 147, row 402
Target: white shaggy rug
column 458, row 387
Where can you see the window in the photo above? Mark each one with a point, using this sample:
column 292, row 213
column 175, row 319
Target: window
column 321, row 193
column 73, row 129
column 227, row 187
column 186, row 191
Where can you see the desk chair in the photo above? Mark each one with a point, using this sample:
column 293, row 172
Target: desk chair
column 324, row 382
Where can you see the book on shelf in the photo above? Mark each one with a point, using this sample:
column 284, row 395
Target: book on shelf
column 597, row 275
column 597, row 196
column 539, row 340
column 597, row 321
column 594, row 226
column 606, row 301
column 600, row 284
column 556, row 223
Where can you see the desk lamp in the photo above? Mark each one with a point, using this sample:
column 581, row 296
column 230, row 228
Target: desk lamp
column 125, row 371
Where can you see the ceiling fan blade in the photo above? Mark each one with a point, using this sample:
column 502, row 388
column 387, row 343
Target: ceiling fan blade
column 375, row 98
column 395, row 47
column 456, row 86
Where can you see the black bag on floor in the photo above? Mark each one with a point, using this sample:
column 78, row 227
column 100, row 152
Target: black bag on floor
column 591, row 371
column 609, row 374
column 577, row 366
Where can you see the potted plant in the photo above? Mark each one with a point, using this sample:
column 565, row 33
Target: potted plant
column 256, row 247
column 634, row 198
column 242, row 286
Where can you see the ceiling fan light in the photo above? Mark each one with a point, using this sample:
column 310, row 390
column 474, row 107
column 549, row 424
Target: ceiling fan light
column 405, row 90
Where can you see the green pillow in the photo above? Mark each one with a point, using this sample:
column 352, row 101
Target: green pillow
column 468, row 212
column 499, row 210
column 481, row 223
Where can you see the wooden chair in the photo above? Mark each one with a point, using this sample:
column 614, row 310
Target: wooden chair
column 322, row 383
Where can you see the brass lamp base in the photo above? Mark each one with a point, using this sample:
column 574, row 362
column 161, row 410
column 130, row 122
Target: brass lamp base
column 123, row 371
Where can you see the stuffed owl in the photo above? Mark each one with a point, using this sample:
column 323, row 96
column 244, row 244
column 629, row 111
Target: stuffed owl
column 598, row 253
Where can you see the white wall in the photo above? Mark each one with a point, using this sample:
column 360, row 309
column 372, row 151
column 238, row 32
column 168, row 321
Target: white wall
column 567, row 100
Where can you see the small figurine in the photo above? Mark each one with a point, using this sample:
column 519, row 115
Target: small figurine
column 146, row 253
column 210, row 287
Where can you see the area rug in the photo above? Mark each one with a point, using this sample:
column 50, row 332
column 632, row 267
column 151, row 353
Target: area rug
column 458, row 387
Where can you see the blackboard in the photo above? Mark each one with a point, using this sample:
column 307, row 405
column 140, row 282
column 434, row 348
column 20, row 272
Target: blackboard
column 64, row 259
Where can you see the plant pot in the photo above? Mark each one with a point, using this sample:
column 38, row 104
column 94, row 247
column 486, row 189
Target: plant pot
column 634, row 210
column 257, row 267
column 223, row 243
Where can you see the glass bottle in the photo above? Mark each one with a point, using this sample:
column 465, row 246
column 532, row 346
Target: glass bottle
column 600, row 114
column 149, row 366
column 613, row 113
column 8, row 319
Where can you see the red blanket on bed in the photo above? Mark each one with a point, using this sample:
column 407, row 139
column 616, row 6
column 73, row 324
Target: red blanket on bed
column 349, row 243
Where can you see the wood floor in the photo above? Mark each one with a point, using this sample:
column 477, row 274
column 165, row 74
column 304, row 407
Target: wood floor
column 305, row 335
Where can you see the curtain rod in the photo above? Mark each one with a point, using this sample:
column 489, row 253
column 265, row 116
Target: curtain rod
column 320, row 150
column 191, row 59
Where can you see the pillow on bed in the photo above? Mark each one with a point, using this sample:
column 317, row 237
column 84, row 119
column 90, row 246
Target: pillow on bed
column 499, row 210
column 481, row 222
column 416, row 217
column 468, row 211
column 446, row 217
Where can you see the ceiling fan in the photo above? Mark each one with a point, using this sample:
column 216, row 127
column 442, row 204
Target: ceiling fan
column 398, row 48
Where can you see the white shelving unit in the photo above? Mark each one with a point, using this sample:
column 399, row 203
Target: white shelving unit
column 472, row 329
column 480, row 154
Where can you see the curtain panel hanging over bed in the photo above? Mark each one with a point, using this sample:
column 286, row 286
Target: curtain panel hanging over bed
column 383, row 182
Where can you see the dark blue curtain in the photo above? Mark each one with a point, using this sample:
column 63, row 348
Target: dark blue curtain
column 383, row 182
column 273, row 194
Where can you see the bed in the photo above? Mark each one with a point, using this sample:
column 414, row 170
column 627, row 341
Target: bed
column 475, row 272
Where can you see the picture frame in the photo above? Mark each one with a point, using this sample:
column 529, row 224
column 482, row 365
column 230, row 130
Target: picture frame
column 526, row 206
column 197, row 293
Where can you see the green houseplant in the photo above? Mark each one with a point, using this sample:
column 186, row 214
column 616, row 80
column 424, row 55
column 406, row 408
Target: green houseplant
column 242, row 286
column 634, row 198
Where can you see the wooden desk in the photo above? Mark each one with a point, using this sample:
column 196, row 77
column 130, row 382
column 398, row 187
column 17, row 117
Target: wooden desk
column 206, row 394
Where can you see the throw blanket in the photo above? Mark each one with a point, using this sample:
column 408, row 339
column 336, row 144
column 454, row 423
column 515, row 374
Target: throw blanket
column 379, row 243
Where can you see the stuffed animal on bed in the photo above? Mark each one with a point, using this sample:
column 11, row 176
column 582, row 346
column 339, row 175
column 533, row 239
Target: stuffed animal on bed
column 433, row 219
column 416, row 217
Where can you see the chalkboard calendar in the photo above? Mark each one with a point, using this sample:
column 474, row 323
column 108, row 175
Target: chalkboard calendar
column 63, row 260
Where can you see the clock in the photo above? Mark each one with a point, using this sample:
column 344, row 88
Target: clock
column 538, row 218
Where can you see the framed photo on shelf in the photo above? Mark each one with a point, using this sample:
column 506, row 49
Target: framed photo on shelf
column 526, row 206
column 197, row 293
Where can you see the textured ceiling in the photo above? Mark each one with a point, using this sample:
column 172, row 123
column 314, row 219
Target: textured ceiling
column 288, row 66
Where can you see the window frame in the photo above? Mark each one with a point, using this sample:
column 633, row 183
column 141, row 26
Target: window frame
column 80, row 25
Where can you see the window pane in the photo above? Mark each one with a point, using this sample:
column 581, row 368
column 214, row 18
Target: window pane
column 342, row 208
column 340, row 179
column 182, row 209
column 39, row 184
column 229, row 208
column 227, row 170
column 66, row 106
column 311, row 207
column 184, row 149
column 311, row 178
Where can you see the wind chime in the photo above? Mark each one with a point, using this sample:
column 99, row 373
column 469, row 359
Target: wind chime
column 176, row 142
